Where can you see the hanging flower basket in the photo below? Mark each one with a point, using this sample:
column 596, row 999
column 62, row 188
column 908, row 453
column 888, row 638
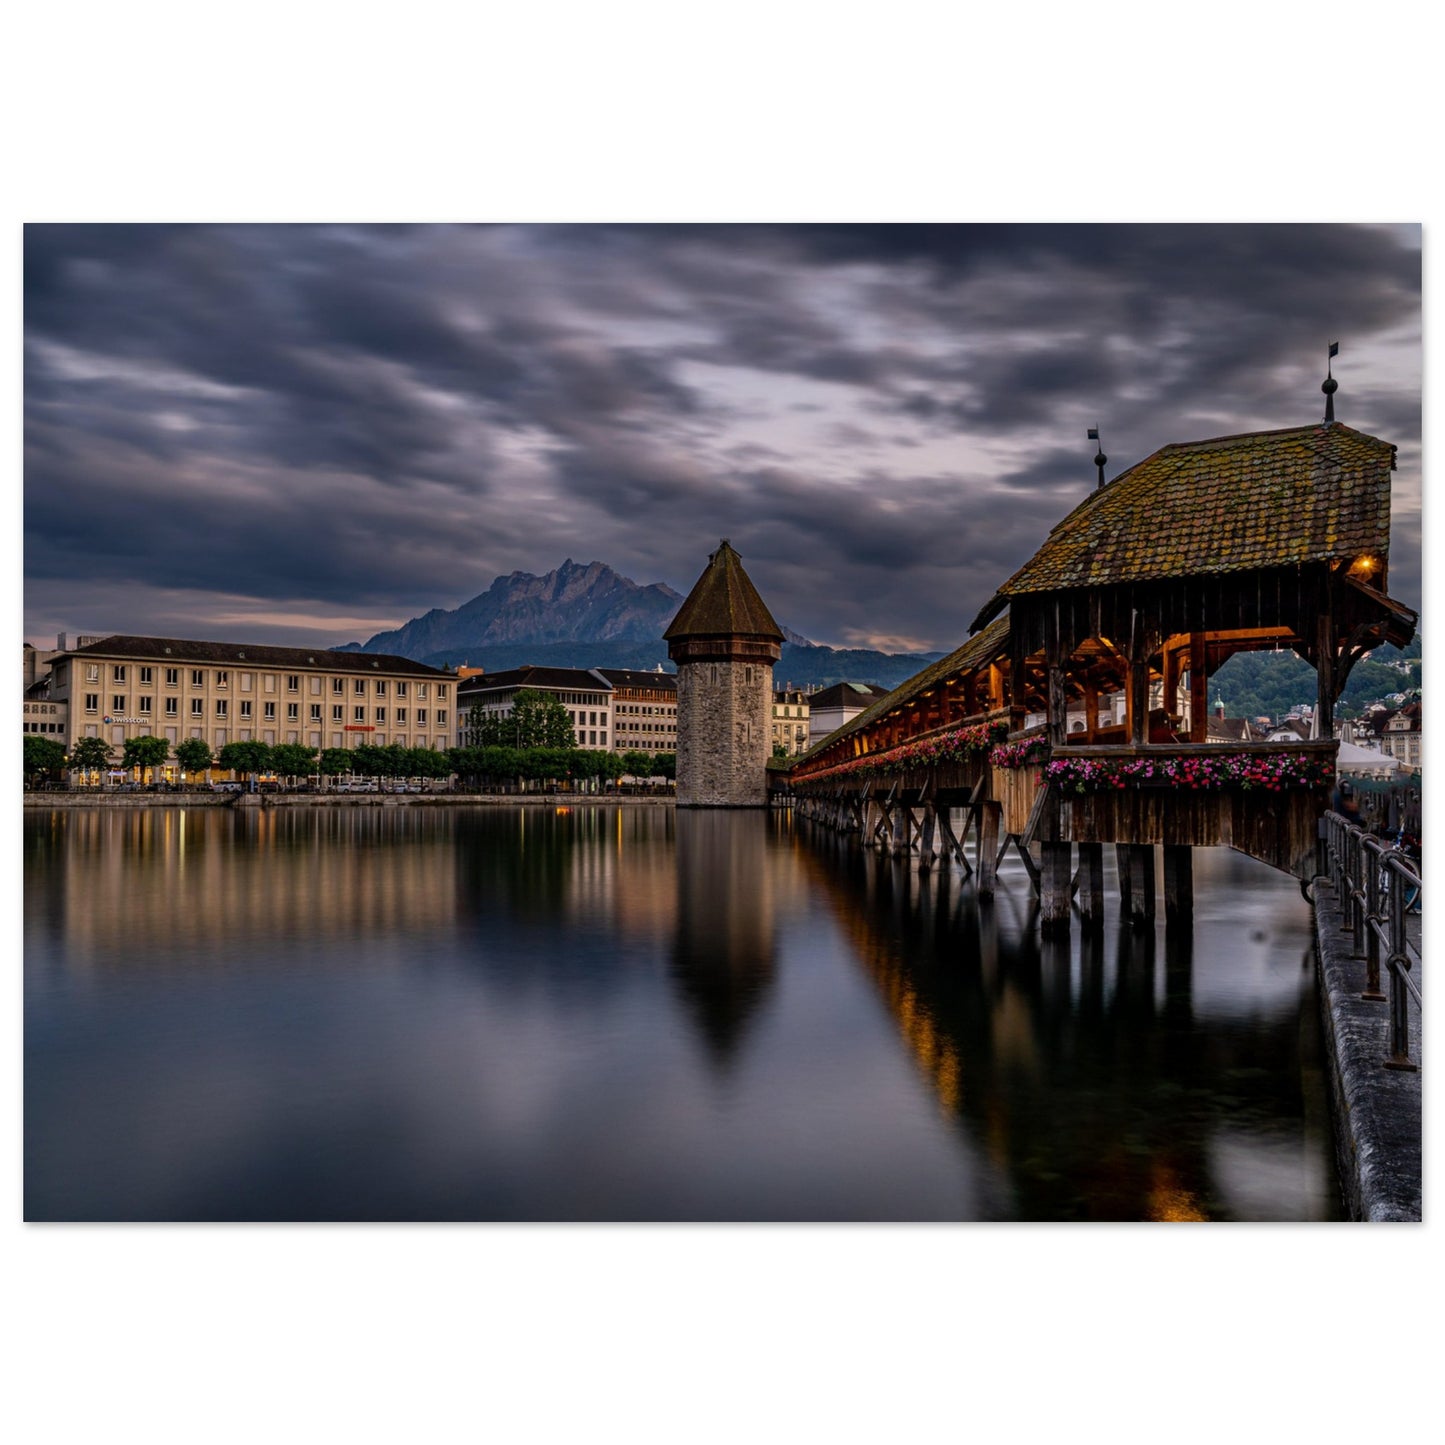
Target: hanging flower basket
column 949, row 747
column 1247, row 772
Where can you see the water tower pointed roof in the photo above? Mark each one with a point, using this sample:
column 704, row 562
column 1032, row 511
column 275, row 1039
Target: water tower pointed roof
column 723, row 603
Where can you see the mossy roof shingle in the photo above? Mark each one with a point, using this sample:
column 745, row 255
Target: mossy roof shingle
column 1236, row 503
column 723, row 603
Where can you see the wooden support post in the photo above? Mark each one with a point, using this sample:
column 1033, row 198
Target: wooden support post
column 988, row 821
column 1178, row 885
column 902, row 822
column 925, row 841
column 1198, row 688
column 1091, row 884
column 1141, row 883
column 1325, row 671
column 1122, row 861
column 1054, row 890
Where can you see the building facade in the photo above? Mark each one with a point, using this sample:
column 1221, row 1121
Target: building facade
column 584, row 692
column 832, row 707
column 724, row 642
column 644, row 710
column 791, row 722
column 222, row 692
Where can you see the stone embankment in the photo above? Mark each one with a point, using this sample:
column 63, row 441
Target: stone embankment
column 1377, row 1113
column 338, row 800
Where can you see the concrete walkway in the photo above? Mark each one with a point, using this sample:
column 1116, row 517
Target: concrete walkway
column 1376, row 1110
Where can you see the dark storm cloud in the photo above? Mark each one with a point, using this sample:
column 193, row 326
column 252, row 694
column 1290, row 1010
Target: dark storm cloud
column 376, row 420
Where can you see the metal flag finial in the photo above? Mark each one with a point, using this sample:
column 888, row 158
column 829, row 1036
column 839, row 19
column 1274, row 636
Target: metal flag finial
column 1099, row 457
column 1330, row 385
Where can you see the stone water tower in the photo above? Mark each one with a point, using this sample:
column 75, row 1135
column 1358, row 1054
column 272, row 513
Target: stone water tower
column 724, row 642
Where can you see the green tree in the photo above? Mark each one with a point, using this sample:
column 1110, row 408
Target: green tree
column 293, row 760
column 665, row 765
column 540, row 721
column 194, row 755
column 637, row 764
column 427, row 763
column 42, row 756
column 147, row 754
column 90, row 755
column 248, row 758
column 336, row 762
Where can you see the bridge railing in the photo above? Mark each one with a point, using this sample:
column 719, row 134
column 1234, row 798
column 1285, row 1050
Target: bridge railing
column 1377, row 885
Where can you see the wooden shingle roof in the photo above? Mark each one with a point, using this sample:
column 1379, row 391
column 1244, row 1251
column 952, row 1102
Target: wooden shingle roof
column 976, row 653
column 1231, row 504
column 723, row 603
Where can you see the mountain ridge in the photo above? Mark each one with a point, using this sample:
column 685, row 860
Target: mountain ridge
column 588, row 615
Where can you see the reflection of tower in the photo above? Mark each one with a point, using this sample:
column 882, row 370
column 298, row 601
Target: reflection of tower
column 723, row 957
column 725, row 642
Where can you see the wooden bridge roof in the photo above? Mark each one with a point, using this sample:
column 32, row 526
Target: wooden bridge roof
column 980, row 650
column 723, row 603
column 1235, row 503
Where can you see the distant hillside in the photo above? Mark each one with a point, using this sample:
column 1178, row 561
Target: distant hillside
column 1269, row 684
column 591, row 616
column 802, row 666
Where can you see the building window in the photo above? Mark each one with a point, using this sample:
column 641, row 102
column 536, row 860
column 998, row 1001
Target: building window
column 173, row 677
column 268, row 682
column 198, row 707
column 293, row 711
column 359, row 687
column 336, row 713
column 117, row 702
column 315, row 687
column 92, row 672
column 245, row 709
column 146, row 676
column 117, row 673
column 338, row 685
column 268, row 711
column 223, row 679
column 421, row 692
column 145, row 704
column 172, row 707
column 400, row 714
column 221, row 707
column 380, row 687
column 401, row 689
column 441, row 692
column 421, row 717
column 92, row 702
column 198, row 678
column 293, row 682
column 381, row 717
column 247, row 678
column 316, row 712
column 358, row 714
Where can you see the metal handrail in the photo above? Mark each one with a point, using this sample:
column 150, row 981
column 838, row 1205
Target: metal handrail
column 1371, row 880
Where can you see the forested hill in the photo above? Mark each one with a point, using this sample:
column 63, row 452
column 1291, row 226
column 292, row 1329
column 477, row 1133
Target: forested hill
column 1270, row 684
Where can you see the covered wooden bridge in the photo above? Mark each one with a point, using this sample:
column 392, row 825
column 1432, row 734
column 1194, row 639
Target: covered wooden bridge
column 1076, row 714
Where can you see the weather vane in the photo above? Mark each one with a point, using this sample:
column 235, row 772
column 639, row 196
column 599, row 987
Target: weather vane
column 1330, row 385
column 1099, row 457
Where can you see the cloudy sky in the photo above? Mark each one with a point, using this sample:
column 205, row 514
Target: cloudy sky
column 303, row 434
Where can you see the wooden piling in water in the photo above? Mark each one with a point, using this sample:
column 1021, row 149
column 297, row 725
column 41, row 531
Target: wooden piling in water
column 1091, row 885
column 1141, row 883
column 1178, row 885
column 987, row 859
column 1055, row 893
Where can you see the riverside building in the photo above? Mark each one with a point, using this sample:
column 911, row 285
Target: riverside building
column 222, row 692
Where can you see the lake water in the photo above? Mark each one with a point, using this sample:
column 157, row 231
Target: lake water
column 626, row 1013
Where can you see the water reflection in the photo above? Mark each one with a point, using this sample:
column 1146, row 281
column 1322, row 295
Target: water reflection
column 1080, row 1063
column 621, row 1013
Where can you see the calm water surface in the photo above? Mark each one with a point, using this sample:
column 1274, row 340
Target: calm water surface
column 613, row 1013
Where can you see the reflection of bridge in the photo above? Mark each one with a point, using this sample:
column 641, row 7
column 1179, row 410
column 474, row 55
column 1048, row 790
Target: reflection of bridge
column 1077, row 712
